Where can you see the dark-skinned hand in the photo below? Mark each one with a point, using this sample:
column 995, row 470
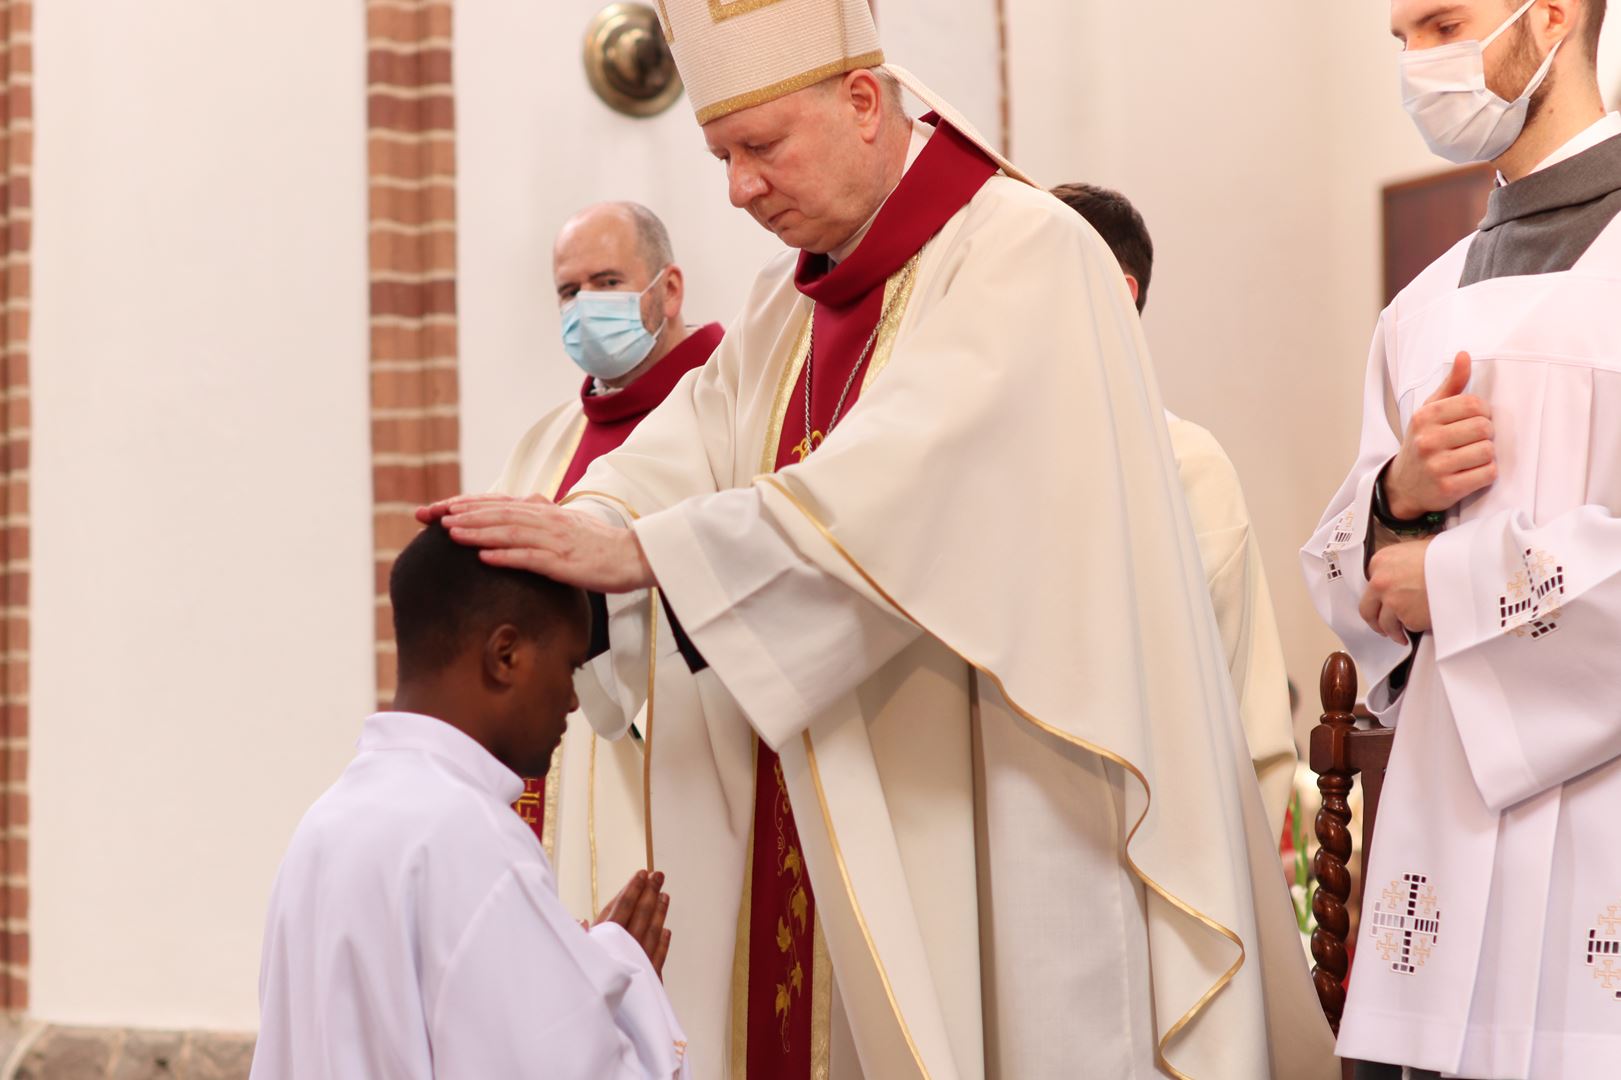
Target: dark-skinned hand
column 640, row 908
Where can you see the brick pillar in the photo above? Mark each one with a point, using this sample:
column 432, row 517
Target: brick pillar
column 16, row 215
column 411, row 150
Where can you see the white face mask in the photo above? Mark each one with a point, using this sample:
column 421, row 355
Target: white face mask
column 1444, row 90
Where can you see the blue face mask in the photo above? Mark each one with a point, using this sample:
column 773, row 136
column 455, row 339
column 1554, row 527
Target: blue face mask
column 603, row 331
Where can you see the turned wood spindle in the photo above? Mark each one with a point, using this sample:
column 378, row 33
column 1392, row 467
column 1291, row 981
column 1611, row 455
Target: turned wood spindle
column 1335, row 773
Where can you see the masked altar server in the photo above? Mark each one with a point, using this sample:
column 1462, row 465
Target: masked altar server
column 1472, row 563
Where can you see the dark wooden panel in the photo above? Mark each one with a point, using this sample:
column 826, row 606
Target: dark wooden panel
column 1425, row 217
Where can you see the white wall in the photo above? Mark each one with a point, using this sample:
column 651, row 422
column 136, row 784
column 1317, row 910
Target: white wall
column 202, row 576
column 1256, row 148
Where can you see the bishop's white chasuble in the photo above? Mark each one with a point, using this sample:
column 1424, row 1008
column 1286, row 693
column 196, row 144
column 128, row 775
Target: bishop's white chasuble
column 1491, row 929
column 963, row 676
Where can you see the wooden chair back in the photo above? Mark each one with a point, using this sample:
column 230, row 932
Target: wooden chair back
column 1340, row 750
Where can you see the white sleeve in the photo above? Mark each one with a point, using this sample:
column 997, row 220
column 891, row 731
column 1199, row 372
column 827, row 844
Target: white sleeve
column 785, row 638
column 528, row 993
column 1526, row 624
column 1333, row 558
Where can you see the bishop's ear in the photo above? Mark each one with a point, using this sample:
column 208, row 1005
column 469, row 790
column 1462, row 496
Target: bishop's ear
column 503, row 655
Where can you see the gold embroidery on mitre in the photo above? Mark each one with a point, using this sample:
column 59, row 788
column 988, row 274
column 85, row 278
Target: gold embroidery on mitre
column 666, row 24
column 751, row 98
column 1604, row 951
column 721, row 10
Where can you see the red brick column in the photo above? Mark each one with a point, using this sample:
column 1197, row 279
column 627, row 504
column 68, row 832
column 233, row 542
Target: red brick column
column 16, row 214
column 411, row 150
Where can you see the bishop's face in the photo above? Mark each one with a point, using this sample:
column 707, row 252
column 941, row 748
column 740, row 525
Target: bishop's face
column 804, row 166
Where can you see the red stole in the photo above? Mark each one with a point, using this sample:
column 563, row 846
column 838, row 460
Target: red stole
column 609, row 420
column 849, row 302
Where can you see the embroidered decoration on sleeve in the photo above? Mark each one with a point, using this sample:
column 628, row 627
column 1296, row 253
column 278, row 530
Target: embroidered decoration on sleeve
column 1604, row 951
column 1407, row 923
column 1344, row 530
column 1533, row 596
column 1343, row 538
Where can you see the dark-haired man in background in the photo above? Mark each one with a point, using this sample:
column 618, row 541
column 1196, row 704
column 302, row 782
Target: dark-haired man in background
column 1227, row 545
column 414, row 928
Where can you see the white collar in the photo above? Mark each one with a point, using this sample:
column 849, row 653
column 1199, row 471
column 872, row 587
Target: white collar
column 1605, row 127
column 921, row 133
column 424, row 734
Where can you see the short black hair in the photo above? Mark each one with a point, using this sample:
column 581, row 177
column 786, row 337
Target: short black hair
column 1121, row 227
column 444, row 597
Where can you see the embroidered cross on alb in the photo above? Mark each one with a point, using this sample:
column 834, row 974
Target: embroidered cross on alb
column 1406, row 923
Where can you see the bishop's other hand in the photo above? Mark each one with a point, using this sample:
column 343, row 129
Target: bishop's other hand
column 537, row 535
column 1447, row 453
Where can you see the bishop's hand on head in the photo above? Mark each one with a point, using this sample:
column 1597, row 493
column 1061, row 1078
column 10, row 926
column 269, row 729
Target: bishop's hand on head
column 640, row 908
column 1447, row 453
column 537, row 535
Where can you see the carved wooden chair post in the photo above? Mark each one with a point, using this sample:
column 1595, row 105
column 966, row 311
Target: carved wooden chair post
column 1339, row 751
column 1331, row 762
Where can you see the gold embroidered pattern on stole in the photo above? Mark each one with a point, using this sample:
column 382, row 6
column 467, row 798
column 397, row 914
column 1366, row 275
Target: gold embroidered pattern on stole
column 548, row 813
column 905, row 280
column 790, row 866
column 897, row 297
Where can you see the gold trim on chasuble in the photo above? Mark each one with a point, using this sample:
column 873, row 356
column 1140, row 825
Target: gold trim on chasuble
column 565, row 459
column 1092, row 748
column 548, row 811
column 897, row 296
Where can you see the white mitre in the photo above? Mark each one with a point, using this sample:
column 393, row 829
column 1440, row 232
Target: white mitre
column 736, row 54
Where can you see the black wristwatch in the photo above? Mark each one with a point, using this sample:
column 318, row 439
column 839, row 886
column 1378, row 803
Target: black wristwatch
column 1406, row 528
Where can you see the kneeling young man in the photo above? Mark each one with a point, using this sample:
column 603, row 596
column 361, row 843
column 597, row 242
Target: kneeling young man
column 415, row 928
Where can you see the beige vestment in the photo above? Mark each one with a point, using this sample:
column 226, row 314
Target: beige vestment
column 976, row 627
column 1236, row 579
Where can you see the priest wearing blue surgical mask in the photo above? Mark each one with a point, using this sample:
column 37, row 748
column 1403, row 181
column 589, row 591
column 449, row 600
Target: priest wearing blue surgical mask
column 1472, row 564
column 620, row 295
